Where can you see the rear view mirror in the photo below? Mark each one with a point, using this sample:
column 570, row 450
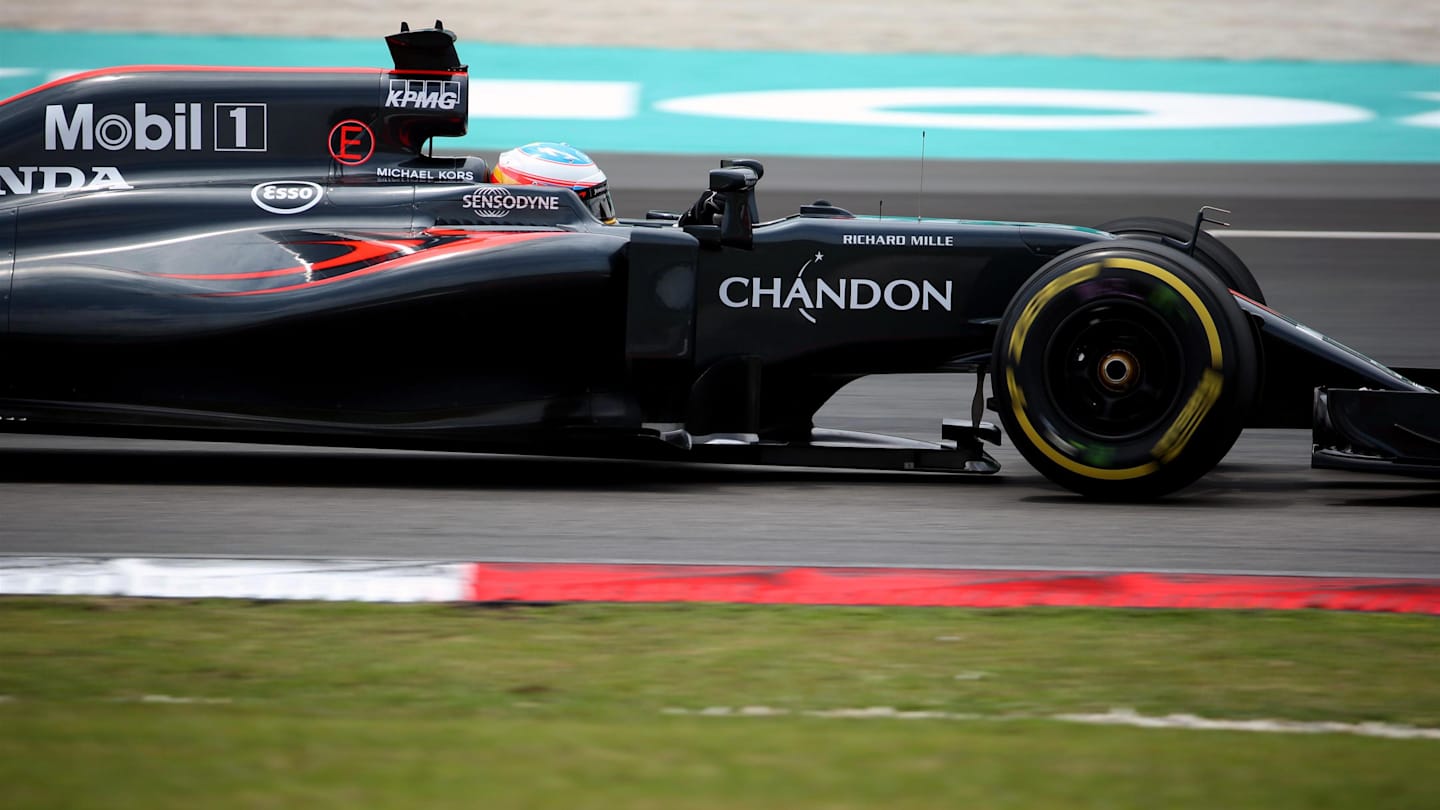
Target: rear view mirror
column 735, row 179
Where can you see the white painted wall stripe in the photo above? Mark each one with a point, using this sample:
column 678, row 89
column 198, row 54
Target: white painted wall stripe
column 1427, row 119
column 545, row 99
column 1117, row 109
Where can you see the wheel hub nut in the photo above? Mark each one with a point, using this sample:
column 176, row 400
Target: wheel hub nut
column 1117, row 370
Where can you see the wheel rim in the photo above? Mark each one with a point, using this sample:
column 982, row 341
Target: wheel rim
column 1114, row 370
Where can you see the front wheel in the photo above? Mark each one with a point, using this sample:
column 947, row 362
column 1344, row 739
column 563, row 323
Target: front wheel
column 1215, row 255
column 1124, row 370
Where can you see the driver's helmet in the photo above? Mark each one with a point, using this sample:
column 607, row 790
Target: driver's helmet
column 557, row 164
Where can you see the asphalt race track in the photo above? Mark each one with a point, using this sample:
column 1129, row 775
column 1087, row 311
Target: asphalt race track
column 1367, row 273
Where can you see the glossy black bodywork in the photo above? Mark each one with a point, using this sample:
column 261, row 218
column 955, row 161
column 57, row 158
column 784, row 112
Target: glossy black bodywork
column 153, row 284
column 1384, row 431
column 268, row 255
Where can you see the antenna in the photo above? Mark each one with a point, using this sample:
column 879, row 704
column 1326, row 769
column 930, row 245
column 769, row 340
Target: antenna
column 920, row 197
column 881, row 215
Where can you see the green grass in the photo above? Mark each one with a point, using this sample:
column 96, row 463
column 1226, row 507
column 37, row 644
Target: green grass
column 331, row 705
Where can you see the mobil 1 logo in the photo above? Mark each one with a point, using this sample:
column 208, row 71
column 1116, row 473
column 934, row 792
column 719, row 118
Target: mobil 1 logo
column 241, row 127
column 152, row 127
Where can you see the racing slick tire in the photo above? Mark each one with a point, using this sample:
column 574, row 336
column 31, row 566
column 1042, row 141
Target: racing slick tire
column 1124, row 370
column 1211, row 252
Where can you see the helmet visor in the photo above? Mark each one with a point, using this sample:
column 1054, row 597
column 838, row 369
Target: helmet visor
column 600, row 202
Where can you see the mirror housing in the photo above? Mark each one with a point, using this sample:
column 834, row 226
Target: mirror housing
column 735, row 180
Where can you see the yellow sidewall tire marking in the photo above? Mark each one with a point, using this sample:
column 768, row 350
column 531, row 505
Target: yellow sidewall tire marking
column 1177, row 435
column 1038, row 302
column 1060, row 458
column 1185, row 425
column 1213, row 334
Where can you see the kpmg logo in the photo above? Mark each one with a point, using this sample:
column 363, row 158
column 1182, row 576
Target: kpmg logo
column 413, row 94
column 493, row 202
column 804, row 294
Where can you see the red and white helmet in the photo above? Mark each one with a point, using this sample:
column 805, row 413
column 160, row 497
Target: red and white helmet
column 557, row 164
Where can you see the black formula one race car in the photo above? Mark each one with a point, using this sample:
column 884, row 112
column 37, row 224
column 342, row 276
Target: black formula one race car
column 270, row 255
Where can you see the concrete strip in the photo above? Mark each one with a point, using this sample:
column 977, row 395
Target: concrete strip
column 1378, row 30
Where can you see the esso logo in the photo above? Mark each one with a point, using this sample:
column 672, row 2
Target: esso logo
column 287, row 196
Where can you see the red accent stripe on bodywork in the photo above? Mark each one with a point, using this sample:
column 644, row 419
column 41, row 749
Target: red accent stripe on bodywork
column 473, row 242
column 360, row 251
column 1247, row 299
column 539, row 582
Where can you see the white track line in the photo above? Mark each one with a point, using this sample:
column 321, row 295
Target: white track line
column 1127, row 717
column 1114, row 717
column 1374, row 235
